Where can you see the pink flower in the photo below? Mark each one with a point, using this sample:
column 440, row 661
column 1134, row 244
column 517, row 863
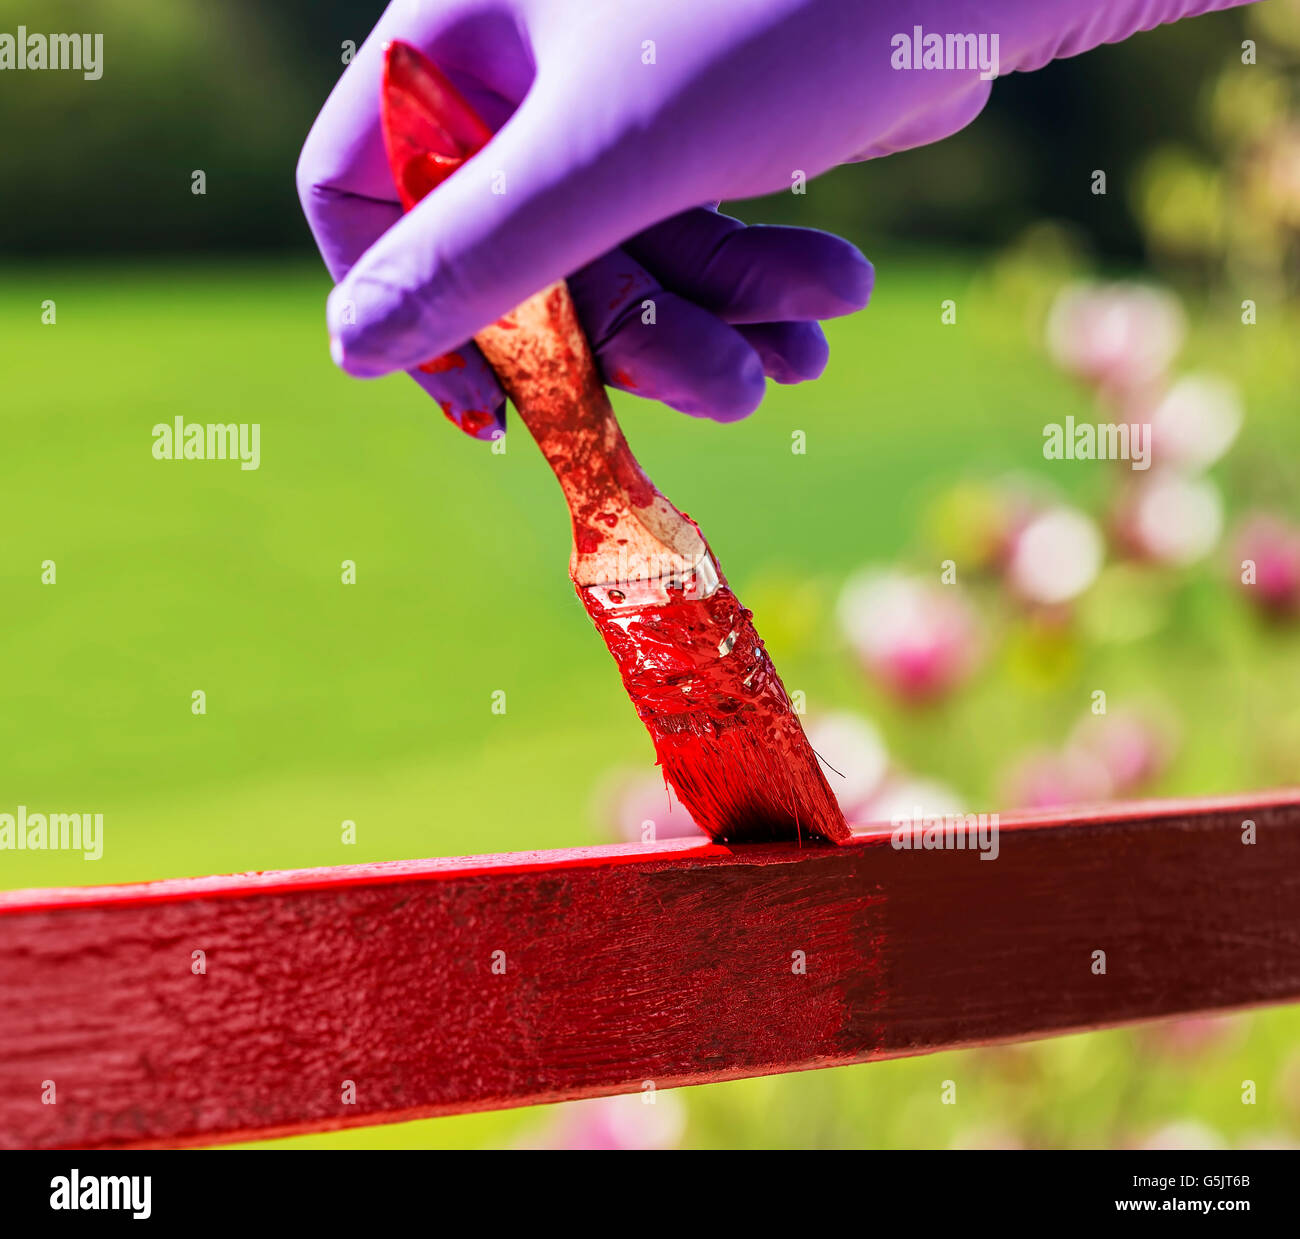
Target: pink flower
column 1117, row 337
column 1130, row 747
column 1267, row 553
column 640, row 808
column 975, row 522
column 854, row 758
column 905, row 796
column 1055, row 557
column 631, row 1121
column 1169, row 518
column 1049, row 780
column 1192, row 1037
column 1193, row 423
column 917, row 639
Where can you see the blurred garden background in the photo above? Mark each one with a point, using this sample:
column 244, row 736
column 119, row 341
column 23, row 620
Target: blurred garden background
column 946, row 602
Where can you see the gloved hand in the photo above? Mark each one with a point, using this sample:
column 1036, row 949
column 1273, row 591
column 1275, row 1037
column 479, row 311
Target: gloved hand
column 617, row 123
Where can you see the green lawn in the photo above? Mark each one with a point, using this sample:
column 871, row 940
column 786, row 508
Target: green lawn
column 371, row 702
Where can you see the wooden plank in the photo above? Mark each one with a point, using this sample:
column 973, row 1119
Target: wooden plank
column 668, row 962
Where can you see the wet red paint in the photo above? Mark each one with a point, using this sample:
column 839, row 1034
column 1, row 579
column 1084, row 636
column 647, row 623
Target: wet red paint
column 475, row 421
column 429, row 130
column 666, row 961
column 440, row 365
column 722, row 725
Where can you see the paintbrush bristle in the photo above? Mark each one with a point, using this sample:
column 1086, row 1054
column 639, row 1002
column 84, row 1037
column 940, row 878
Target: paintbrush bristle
column 725, row 733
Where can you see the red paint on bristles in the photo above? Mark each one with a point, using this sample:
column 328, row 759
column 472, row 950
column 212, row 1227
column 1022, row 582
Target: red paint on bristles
column 723, row 727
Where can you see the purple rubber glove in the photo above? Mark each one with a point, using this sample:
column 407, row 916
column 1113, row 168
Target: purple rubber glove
column 618, row 124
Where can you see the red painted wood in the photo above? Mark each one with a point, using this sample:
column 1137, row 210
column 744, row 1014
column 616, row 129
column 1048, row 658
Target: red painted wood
column 665, row 962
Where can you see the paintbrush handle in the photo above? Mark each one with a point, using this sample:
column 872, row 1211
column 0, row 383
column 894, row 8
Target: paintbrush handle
column 542, row 358
column 623, row 528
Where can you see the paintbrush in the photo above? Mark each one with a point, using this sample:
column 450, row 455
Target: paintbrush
column 725, row 733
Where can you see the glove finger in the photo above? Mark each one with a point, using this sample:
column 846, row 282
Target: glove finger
column 520, row 214
column 790, row 352
column 347, row 192
column 467, row 392
column 653, row 343
column 754, row 273
column 343, row 178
